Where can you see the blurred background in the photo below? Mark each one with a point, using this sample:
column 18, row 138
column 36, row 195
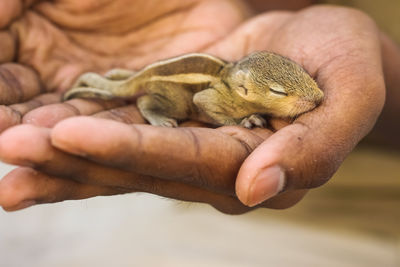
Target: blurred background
column 352, row 221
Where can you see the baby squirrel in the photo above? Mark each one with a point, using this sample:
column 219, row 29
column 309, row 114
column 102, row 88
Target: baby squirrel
column 205, row 88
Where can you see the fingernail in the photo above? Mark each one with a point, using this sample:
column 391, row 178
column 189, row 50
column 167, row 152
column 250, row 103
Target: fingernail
column 268, row 183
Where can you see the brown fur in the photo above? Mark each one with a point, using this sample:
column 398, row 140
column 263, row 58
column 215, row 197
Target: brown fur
column 202, row 87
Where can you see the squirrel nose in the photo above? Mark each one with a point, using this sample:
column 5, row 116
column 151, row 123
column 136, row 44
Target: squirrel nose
column 315, row 98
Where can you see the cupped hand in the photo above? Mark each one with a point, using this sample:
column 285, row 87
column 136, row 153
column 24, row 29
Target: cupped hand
column 225, row 167
column 45, row 45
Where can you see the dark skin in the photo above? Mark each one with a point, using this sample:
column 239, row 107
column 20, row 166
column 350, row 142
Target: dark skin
column 105, row 154
column 260, row 6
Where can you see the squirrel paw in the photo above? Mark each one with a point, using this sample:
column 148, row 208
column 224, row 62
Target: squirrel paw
column 253, row 121
column 164, row 122
column 170, row 123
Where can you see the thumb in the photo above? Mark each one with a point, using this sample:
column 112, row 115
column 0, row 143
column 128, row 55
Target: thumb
column 290, row 159
column 307, row 153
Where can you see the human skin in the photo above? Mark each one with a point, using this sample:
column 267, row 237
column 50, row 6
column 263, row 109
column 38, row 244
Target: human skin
column 260, row 6
column 230, row 168
column 387, row 130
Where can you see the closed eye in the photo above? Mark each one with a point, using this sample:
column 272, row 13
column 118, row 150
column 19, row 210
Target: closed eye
column 278, row 92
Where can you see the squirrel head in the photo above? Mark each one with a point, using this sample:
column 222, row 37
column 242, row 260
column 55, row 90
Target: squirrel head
column 277, row 83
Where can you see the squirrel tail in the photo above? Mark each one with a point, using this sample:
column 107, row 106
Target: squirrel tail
column 88, row 92
column 93, row 85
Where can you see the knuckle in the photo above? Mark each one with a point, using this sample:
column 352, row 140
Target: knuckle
column 249, row 139
column 200, row 174
column 10, row 85
column 18, row 83
column 9, row 116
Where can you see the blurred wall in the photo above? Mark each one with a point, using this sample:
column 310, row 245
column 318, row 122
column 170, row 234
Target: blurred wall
column 385, row 12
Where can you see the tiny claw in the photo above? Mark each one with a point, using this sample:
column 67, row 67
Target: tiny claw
column 165, row 122
column 253, row 121
column 170, row 123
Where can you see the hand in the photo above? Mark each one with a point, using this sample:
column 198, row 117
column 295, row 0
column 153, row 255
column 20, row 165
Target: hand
column 45, row 45
column 199, row 164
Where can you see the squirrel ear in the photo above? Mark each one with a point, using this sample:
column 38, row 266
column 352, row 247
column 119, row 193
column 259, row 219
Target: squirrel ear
column 241, row 77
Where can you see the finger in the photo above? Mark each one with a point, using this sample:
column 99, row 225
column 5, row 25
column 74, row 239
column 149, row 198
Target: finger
column 127, row 114
column 284, row 200
column 7, row 46
column 193, row 124
column 25, row 187
column 9, row 9
column 131, row 115
column 49, row 115
column 18, row 84
column 30, row 146
column 12, row 115
column 278, row 123
column 12, row 9
column 198, row 156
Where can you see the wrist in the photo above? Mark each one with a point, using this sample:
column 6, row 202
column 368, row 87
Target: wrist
column 387, row 129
